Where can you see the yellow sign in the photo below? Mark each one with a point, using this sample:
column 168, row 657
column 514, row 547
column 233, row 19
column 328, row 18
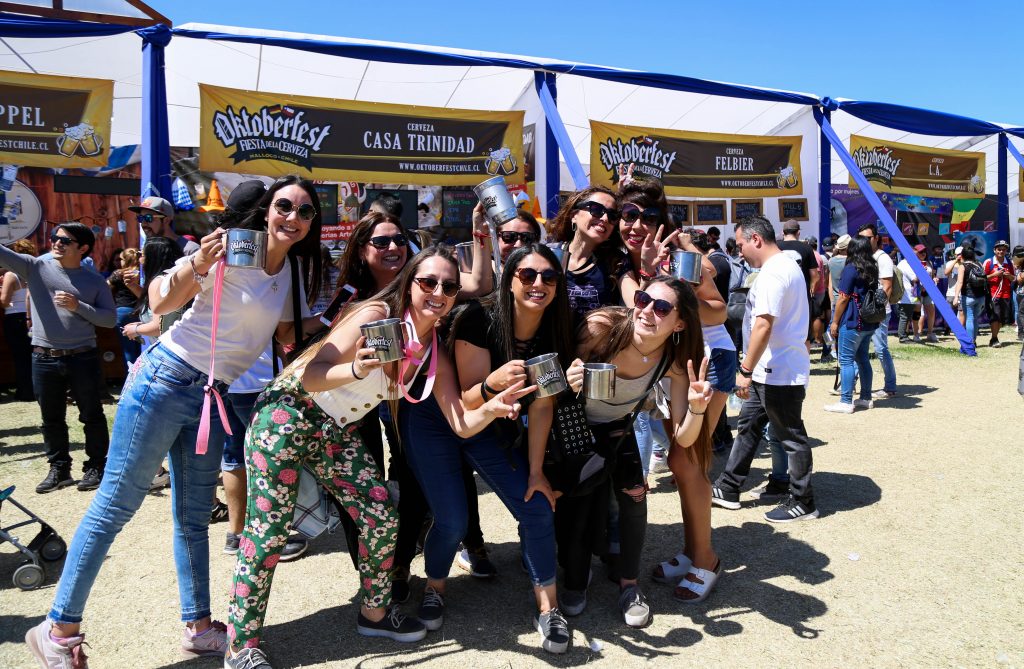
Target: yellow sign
column 698, row 164
column 344, row 140
column 918, row 170
column 58, row 122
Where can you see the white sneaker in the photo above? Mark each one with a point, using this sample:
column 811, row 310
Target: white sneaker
column 839, row 407
column 863, row 404
column 69, row 654
column 659, row 462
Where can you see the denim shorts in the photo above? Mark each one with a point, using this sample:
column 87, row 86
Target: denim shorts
column 722, row 369
column 239, row 407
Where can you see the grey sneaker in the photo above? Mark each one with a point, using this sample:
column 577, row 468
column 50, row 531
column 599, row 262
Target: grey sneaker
column 295, row 548
column 554, row 631
column 212, row 642
column 247, row 658
column 394, row 625
column 572, row 602
column 431, row 612
column 863, row 404
column 636, row 612
column 231, row 543
column 66, row 654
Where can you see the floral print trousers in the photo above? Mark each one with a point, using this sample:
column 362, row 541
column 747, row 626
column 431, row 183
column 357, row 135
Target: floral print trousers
column 289, row 430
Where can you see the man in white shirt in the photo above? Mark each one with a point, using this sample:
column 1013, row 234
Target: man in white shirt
column 910, row 303
column 880, row 339
column 773, row 376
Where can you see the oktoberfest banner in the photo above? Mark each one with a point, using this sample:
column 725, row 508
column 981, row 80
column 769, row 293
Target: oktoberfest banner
column 345, row 140
column 57, row 122
column 918, row 170
column 698, row 164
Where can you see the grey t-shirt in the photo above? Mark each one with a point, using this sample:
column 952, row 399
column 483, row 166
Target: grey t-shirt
column 835, row 270
column 53, row 326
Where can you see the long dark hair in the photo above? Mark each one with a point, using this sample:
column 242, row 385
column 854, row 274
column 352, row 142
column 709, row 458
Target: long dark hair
column 860, row 255
column 353, row 268
column 159, row 254
column 614, row 334
column 306, row 251
column 647, row 192
column 555, row 331
column 608, row 254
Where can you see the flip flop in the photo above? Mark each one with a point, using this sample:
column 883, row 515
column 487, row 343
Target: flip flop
column 670, row 571
column 702, row 587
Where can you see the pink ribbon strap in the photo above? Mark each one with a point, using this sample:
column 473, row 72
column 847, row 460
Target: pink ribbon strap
column 203, row 438
column 414, row 352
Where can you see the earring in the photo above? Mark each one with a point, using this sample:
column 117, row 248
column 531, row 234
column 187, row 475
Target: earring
column 574, row 226
column 675, row 337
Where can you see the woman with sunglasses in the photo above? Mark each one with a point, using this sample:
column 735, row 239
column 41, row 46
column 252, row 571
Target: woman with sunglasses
column 491, row 338
column 661, row 333
column 307, row 418
column 521, row 231
column 643, row 228
column 160, row 408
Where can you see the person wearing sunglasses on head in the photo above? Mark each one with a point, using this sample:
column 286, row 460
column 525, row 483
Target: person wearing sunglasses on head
column 156, row 217
column 161, row 407
column 67, row 303
column 659, row 338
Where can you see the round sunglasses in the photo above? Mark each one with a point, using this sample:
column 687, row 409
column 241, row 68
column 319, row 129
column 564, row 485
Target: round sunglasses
column 662, row 308
column 382, row 242
column 528, row 275
column 597, row 210
column 511, row 237
column 650, row 216
column 284, row 206
column 429, row 284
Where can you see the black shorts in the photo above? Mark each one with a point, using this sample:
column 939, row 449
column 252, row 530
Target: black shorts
column 1002, row 310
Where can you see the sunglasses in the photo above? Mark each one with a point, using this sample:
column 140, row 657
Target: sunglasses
column 429, row 284
column 284, row 206
column 146, row 218
column 512, row 237
column 597, row 210
column 649, row 216
column 63, row 241
column 662, row 308
column 383, row 241
column 528, row 275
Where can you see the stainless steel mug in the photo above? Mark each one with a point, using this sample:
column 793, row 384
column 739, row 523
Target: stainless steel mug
column 245, row 248
column 498, row 203
column 464, row 253
column 545, row 372
column 686, row 266
column 599, row 380
column 387, row 337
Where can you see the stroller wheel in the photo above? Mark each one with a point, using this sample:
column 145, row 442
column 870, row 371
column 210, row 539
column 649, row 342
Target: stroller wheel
column 54, row 549
column 29, row 576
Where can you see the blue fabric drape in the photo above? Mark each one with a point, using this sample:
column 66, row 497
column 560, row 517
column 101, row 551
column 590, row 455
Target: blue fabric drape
column 824, row 188
column 156, row 149
column 554, row 122
column 966, row 343
column 1015, row 153
column 1003, row 196
column 14, row 25
column 920, row 121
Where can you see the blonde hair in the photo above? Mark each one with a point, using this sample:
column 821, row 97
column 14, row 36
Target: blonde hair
column 129, row 258
column 25, row 246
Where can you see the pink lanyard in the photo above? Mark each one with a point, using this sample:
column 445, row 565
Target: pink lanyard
column 208, row 390
column 411, row 350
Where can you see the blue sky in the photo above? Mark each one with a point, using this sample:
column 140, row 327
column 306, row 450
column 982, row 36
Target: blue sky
column 963, row 58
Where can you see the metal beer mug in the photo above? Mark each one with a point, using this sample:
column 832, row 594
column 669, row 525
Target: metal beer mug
column 387, row 337
column 545, row 372
column 245, row 248
column 686, row 266
column 599, row 381
column 498, row 203
column 464, row 254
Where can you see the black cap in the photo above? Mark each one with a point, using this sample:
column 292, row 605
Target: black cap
column 246, row 195
column 1002, row 242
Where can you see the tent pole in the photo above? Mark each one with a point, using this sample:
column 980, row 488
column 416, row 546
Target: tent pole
column 156, row 149
column 1003, row 218
column 550, row 159
column 824, row 185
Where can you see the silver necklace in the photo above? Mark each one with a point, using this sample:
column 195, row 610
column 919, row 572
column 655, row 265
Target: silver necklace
column 643, row 356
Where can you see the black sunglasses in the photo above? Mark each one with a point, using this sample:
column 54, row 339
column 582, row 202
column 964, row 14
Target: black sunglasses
column 528, row 275
column 597, row 210
column 146, row 218
column 649, row 216
column 511, row 237
column 383, row 241
column 63, row 241
column 429, row 284
column 662, row 308
column 284, row 206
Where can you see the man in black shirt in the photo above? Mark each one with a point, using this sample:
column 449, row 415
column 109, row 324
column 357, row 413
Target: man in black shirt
column 804, row 256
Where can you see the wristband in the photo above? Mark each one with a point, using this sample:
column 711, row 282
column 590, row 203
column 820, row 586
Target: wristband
column 486, row 390
column 354, row 375
column 695, row 413
column 644, row 275
column 482, row 237
column 195, row 273
column 745, row 373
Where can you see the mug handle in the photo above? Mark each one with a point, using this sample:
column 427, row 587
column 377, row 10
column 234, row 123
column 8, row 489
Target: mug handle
column 408, row 336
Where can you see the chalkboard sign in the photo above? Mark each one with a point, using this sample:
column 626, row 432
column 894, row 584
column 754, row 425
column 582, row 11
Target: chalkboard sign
column 328, row 196
column 408, row 198
column 743, row 208
column 679, row 212
column 710, row 212
column 793, row 209
column 457, row 207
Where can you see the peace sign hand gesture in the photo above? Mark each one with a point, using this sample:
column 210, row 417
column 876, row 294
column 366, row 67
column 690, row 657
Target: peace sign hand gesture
column 505, row 404
column 699, row 393
column 655, row 250
column 625, row 174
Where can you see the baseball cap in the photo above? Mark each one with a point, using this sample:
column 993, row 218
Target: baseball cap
column 958, row 250
column 1002, row 242
column 843, row 242
column 920, row 247
column 246, row 195
column 154, row 205
column 791, row 226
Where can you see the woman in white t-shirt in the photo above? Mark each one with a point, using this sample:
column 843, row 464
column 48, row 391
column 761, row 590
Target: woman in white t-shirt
column 910, row 303
column 161, row 406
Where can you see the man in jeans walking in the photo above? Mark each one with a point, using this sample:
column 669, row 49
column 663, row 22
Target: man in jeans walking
column 773, row 375
column 880, row 339
column 68, row 303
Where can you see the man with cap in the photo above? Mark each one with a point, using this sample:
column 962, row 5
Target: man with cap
column 999, row 273
column 156, row 216
column 886, row 272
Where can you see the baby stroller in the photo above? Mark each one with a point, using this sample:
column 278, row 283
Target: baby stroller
column 46, row 547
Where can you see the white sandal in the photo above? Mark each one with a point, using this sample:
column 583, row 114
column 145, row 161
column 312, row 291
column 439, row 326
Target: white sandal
column 672, row 570
column 702, row 586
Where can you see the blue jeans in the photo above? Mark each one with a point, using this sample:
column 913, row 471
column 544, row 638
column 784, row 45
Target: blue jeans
column 435, row 455
column 881, row 341
column 158, row 412
column 973, row 307
column 644, row 439
column 854, row 359
column 131, row 349
column 239, row 407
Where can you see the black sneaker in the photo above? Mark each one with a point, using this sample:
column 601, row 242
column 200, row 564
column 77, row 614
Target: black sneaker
column 295, row 548
column 247, row 658
column 994, row 342
column 400, row 585
column 90, row 479
column 431, row 612
column 476, row 562
column 727, row 499
column 393, row 625
column 59, row 477
column 771, row 489
column 554, row 631
column 792, row 510
column 219, row 513
column 231, row 543
column 636, row 612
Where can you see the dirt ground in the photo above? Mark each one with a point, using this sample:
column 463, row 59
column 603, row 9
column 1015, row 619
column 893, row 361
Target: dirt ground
column 915, row 561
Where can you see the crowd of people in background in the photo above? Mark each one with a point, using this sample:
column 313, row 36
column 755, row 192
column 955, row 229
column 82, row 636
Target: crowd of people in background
column 308, row 397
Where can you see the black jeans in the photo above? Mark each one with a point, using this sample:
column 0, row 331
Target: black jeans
column 82, row 375
column 782, row 405
column 20, row 343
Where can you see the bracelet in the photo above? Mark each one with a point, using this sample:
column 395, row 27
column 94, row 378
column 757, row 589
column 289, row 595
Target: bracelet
column 195, row 273
column 482, row 237
column 644, row 275
column 354, row 375
column 486, row 390
column 694, row 413
column 745, row 373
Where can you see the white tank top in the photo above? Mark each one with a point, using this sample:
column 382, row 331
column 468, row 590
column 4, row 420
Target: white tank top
column 18, row 298
column 627, row 394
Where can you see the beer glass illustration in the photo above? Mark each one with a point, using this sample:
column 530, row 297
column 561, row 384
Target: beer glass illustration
column 500, row 160
column 79, row 138
column 787, row 177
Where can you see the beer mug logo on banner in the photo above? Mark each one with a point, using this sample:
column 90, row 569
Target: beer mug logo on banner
column 81, row 138
column 787, row 177
column 500, row 160
column 644, row 152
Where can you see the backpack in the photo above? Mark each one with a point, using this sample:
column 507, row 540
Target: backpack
column 896, row 294
column 872, row 307
column 975, row 279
